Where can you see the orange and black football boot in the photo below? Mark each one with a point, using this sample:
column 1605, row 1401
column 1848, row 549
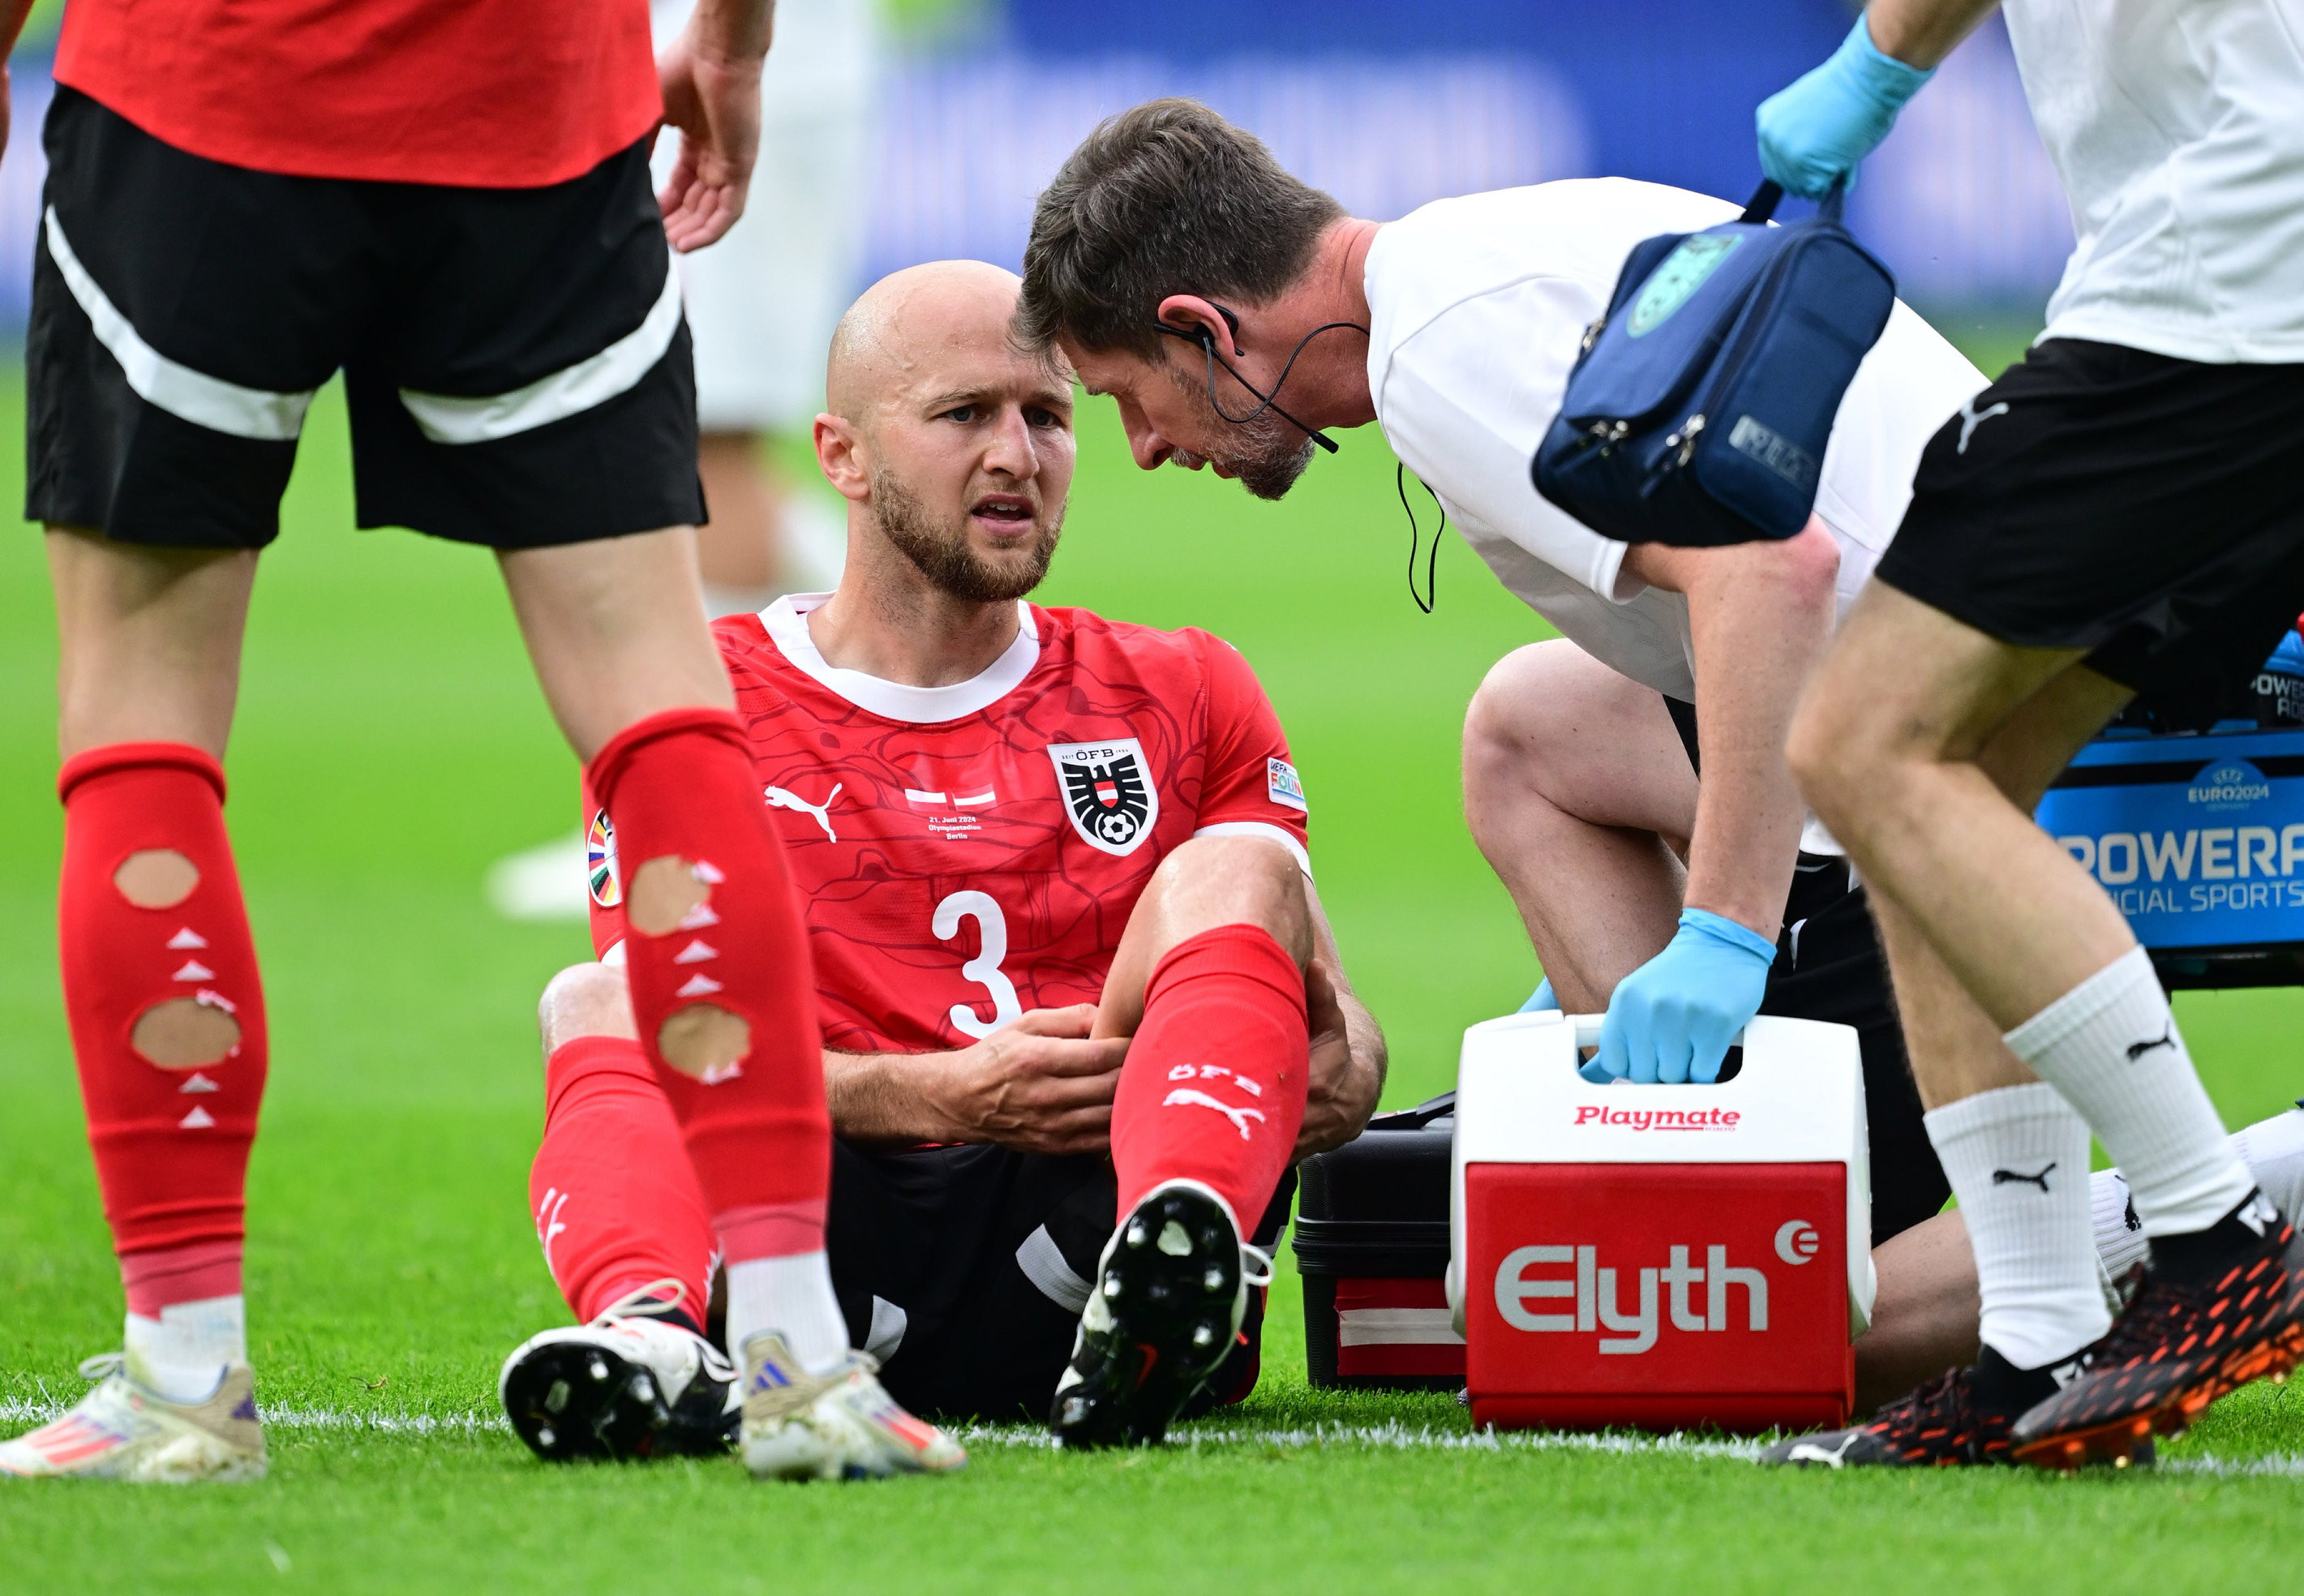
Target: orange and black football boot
column 1963, row 1417
column 2217, row 1309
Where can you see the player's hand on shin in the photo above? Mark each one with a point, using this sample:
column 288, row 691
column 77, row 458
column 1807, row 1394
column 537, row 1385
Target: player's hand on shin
column 712, row 101
column 1344, row 1083
column 1039, row 1084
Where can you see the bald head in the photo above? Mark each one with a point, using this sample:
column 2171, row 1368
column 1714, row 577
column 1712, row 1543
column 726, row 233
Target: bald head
column 952, row 442
column 924, row 324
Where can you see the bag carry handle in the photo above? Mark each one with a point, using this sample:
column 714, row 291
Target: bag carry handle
column 1765, row 199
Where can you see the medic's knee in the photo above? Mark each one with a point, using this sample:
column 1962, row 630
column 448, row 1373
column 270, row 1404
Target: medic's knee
column 585, row 1001
column 1513, row 728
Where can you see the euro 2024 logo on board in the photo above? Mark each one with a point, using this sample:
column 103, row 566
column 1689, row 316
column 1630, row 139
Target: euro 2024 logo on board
column 1108, row 791
column 2233, row 784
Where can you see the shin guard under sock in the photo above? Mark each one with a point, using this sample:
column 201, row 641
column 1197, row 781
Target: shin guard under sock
column 1213, row 1090
column 616, row 1202
column 721, row 984
column 167, row 1011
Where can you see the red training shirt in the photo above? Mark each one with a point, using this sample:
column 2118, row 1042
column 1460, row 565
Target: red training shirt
column 492, row 94
column 964, row 854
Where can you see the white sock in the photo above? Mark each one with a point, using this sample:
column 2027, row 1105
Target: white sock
column 183, row 1354
column 2018, row 1161
column 2110, row 1046
column 791, row 1297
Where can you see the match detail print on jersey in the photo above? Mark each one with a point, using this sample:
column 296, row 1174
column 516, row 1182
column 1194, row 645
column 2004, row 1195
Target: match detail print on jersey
column 1113, row 804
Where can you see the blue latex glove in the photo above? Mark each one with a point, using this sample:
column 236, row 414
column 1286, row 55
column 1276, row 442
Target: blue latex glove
column 1814, row 133
column 1672, row 1019
column 1541, row 998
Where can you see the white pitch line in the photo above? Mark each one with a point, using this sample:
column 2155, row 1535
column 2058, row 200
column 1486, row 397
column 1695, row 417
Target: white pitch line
column 1387, row 1436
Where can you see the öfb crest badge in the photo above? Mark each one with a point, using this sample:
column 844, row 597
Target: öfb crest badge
column 1108, row 791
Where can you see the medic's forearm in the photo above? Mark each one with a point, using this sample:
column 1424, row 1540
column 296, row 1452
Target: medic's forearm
column 1922, row 32
column 13, row 13
column 1760, row 615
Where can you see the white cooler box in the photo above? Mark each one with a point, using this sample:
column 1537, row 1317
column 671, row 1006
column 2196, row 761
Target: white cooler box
column 1659, row 1256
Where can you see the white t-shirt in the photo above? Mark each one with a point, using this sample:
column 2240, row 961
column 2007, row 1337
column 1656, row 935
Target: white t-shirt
column 1478, row 307
column 2178, row 126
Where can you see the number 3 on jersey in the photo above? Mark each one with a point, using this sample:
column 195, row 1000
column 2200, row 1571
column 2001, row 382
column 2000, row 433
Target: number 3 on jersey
column 983, row 969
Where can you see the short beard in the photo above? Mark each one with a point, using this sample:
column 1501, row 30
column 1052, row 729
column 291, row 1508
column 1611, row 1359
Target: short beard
column 942, row 554
column 1266, row 455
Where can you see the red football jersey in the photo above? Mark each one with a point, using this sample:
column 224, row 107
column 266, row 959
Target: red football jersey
column 970, row 851
column 489, row 94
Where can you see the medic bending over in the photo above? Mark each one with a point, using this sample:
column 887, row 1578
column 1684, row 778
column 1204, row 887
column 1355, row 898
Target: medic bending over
column 1069, row 959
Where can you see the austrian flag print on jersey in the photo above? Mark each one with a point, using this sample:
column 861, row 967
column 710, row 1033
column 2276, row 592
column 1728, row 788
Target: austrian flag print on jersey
column 1112, row 802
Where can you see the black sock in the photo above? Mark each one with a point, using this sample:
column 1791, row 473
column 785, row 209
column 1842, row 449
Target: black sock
column 2001, row 1386
column 2202, row 1255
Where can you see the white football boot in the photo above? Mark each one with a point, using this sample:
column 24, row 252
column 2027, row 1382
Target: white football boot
column 124, row 1430
column 836, row 1426
column 627, row 1385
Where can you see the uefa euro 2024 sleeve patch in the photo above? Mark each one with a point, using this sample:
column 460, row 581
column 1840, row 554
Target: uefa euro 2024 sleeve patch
column 1108, row 791
column 1283, row 785
column 601, row 862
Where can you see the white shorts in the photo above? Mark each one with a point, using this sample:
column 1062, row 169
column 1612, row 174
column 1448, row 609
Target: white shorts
column 762, row 302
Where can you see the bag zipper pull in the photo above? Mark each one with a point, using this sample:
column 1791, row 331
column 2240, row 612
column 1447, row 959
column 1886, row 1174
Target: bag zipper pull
column 1687, row 438
column 1592, row 335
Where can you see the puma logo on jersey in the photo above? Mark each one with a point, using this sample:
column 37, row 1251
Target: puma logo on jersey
column 2010, row 1177
column 1186, row 1096
column 2166, row 1039
column 1971, row 418
column 778, row 798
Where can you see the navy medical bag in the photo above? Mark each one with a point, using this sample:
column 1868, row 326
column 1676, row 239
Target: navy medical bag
column 1698, row 411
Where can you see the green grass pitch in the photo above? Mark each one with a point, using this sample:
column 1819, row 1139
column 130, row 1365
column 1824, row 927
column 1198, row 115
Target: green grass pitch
column 391, row 744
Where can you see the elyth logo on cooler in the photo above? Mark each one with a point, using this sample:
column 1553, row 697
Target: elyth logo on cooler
column 1596, row 1305
column 1657, row 1119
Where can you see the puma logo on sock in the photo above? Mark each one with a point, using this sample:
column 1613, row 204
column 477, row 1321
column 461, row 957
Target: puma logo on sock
column 2167, row 1039
column 2257, row 1214
column 2010, row 1177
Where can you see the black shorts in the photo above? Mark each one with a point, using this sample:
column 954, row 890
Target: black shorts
column 2149, row 510
column 966, row 1268
column 1829, row 966
column 515, row 359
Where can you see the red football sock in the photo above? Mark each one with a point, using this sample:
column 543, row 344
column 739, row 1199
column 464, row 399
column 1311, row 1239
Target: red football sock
column 721, row 983
column 1214, row 1087
column 167, row 1011
column 616, row 1202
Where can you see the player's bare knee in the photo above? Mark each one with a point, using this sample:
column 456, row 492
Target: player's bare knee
column 585, row 1001
column 156, row 878
column 184, row 1033
column 1237, row 880
column 704, row 1041
column 663, row 892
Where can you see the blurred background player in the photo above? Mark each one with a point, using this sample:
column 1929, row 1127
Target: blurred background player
column 2116, row 514
column 1025, row 836
column 760, row 304
column 1189, row 277
column 453, row 206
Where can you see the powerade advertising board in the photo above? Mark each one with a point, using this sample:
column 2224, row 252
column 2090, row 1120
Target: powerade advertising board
column 2200, row 841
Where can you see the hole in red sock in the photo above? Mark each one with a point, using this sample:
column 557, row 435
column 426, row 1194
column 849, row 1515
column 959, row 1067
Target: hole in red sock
column 184, row 1034
column 704, row 1041
column 156, row 878
column 665, row 891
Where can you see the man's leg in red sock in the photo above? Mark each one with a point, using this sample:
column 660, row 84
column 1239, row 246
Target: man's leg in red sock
column 1210, row 979
column 615, row 1198
column 167, row 1023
